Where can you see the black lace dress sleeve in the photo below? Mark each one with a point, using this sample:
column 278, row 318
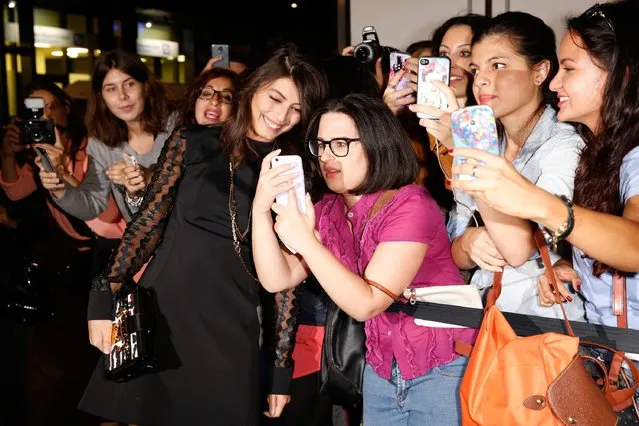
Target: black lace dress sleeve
column 144, row 233
column 286, row 310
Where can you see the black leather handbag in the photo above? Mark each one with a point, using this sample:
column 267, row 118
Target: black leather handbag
column 134, row 334
column 343, row 357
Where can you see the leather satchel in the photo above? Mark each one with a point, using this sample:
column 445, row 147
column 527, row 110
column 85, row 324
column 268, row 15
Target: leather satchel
column 133, row 335
column 535, row 380
column 344, row 348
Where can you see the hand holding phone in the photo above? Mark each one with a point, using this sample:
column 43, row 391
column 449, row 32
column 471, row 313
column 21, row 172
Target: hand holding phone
column 432, row 68
column 221, row 50
column 474, row 127
column 300, row 188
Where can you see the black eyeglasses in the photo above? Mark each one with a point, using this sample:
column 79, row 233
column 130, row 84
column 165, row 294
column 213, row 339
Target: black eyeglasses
column 596, row 11
column 223, row 96
column 338, row 146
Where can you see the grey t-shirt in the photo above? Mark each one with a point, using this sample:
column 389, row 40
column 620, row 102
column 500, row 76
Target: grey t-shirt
column 89, row 199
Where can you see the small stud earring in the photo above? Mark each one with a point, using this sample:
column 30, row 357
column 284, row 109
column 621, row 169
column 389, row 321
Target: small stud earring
column 537, row 82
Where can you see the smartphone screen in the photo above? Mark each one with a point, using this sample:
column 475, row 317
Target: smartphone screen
column 223, row 51
column 432, row 68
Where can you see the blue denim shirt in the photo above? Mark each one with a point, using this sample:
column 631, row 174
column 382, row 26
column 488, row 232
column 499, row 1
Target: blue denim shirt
column 549, row 159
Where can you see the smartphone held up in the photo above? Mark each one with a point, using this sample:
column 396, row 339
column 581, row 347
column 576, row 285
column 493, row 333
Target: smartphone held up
column 474, row 127
column 221, row 50
column 300, row 187
column 430, row 69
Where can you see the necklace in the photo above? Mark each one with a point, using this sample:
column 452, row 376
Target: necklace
column 238, row 234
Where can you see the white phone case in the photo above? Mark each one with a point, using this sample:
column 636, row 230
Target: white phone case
column 300, row 187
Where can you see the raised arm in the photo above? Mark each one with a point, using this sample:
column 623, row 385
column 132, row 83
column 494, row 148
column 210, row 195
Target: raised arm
column 89, row 199
column 144, row 232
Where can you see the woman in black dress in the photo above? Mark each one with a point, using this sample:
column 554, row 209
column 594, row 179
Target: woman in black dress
column 195, row 222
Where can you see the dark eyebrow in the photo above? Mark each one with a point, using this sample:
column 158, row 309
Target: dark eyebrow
column 566, row 60
column 461, row 45
column 123, row 81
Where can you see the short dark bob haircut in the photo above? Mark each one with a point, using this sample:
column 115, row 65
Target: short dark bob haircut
column 392, row 161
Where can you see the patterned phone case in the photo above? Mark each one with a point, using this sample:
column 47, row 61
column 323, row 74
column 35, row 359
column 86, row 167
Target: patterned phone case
column 397, row 61
column 474, row 127
column 432, row 68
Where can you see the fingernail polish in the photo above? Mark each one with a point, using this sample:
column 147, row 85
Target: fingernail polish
column 568, row 298
column 450, row 150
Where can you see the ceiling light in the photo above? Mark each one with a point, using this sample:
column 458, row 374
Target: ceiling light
column 294, row 5
column 77, row 50
column 148, row 24
column 43, row 45
column 57, row 53
column 181, row 58
column 11, row 4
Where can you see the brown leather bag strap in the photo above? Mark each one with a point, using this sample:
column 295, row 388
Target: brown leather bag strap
column 620, row 300
column 620, row 309
column 379, row 204
column 495, row 291
column 383, row 289
column 382, row 201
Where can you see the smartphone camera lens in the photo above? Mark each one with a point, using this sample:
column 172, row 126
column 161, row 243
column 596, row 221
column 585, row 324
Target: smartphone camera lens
column 423, row 61
column 472, row 122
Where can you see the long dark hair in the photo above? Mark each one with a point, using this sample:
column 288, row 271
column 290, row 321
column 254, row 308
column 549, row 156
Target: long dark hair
column 187, row 105
column 286, row 62
column 76, row 130
column 476, row 23
column 105, row 126
column 533, row 40
column 610, row 38
column 392, row 161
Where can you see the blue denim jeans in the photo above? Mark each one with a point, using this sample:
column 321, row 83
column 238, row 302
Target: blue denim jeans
column 431, row 399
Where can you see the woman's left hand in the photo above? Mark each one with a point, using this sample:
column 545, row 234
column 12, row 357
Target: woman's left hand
column 496, row 182
column 276, row 404
column 295, row 228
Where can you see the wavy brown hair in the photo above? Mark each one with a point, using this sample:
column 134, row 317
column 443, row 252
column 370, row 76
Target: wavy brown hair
column 105, row 126
column 286, row 62
column 187, row 106
column 610, row 39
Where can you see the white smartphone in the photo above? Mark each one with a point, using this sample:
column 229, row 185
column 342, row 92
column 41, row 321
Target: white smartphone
column 300, row 187
column 223, row 51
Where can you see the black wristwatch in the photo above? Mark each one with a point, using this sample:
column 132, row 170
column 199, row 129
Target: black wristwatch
column 553, row 238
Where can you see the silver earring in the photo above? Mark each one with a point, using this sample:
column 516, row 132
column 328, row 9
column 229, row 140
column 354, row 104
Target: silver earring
column 537, row 82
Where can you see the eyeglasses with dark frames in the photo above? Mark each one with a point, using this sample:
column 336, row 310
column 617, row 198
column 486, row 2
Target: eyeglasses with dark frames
column 596, row 10
column 223, row 96
column 338, row 146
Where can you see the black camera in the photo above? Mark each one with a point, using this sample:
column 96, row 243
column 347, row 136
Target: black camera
column 423, row 61
column 34, row 129
column 369, row 49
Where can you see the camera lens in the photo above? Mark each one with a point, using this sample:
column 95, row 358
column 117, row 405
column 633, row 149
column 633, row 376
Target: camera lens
column 423, row 61
column 36, row 135
column 363, row 53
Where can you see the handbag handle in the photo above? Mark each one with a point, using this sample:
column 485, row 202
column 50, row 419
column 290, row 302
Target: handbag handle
column 495, row 291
